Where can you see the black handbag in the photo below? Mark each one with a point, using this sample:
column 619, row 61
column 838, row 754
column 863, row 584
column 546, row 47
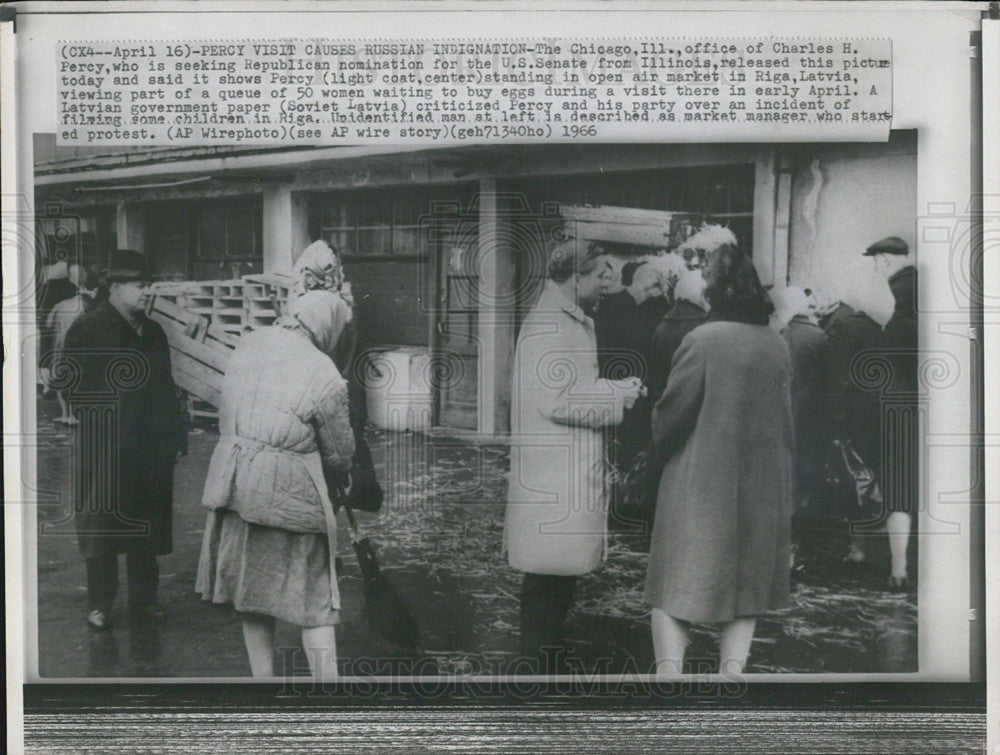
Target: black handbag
column 866, row 490
column 365, row 493
column 633, row 499
column 387, row 611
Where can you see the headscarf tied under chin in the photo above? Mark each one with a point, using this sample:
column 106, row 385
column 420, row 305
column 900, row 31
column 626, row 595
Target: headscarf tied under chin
column 322, row 315
column 317, row 268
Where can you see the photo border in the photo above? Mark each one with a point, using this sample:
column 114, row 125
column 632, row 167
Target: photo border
column 959, row 708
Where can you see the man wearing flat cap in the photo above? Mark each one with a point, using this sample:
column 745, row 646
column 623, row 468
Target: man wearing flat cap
column 130, row 433
column 891, row 257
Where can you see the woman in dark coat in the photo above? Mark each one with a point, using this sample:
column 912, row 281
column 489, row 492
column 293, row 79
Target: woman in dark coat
column 687, row 313
column 720, row 544
column 116, row 364
column 901, row 433
column 624, row 324
column 807, row 348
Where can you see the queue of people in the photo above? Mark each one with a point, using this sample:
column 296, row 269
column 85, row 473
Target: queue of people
column 686, row 357
column 735, row 433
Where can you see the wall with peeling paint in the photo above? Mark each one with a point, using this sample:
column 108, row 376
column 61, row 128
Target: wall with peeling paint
column 844, row 197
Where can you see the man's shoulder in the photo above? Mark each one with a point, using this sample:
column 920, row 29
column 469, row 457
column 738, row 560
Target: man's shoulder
column 92, row 324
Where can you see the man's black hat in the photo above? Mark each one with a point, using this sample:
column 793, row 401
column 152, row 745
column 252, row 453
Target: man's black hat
column 127, row 265
column 888, row 245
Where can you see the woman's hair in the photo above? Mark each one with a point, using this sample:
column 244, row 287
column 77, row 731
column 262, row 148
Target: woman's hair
column 573, row 257
column 733, row 287
column 628, row 271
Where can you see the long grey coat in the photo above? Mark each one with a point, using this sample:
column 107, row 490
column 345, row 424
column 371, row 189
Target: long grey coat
column 720, row 543
column 558, row 490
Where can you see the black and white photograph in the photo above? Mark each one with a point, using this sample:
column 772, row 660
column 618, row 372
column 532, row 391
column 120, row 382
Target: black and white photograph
column 539, row 452
column 595, row 405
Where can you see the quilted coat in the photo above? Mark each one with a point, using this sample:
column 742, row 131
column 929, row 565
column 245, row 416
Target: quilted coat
column 283, row 422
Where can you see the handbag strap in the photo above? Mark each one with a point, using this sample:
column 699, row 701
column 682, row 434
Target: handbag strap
column 338, row 493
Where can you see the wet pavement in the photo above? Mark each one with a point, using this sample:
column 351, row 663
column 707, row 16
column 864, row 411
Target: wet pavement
column 438, row 539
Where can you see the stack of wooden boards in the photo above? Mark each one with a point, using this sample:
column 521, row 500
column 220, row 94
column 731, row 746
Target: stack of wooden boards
column 658, row 229
column 203, row 321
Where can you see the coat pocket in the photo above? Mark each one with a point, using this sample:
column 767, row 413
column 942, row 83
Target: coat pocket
column 221, row 476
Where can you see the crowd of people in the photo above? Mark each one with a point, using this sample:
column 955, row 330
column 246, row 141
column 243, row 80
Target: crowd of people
column 730, row 395
column 728, row 402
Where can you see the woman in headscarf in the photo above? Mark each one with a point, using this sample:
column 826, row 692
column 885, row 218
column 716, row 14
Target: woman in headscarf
column 318, row 268
column 720, row 543
column 270, row 540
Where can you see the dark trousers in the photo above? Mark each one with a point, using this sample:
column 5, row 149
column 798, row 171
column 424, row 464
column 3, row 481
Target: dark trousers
column 102, row 580
column 545, row 602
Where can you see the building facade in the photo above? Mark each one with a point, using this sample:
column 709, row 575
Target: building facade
column 446, row 247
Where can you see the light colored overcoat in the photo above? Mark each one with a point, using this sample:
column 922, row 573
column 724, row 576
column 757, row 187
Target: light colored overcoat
column 558, row 490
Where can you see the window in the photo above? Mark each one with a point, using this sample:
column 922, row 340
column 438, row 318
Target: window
column 715, row 193
column 372, row 225
column 82, row 236
column 229, row 238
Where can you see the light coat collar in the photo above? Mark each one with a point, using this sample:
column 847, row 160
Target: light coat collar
column 552, row 297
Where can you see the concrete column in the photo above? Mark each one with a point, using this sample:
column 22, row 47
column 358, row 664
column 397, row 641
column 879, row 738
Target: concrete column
column 782, row 219
column 763, row 215
column 286, row 227
column 130, row 226
column 496, row 316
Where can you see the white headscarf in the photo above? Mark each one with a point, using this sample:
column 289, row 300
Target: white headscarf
column 708, row 238
column 789, row 301
column 323, row 315
column 691, row 287
column 317, row 268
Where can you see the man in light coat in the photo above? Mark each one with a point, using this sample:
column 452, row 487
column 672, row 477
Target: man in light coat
column 556, row 524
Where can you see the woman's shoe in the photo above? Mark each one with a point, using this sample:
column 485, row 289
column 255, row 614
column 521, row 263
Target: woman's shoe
column 98, row 620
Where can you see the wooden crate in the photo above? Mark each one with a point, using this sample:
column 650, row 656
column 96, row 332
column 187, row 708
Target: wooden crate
column 624, row 225
column 265, row 294
column 203, row 321
column 199, row 350
column 198, row 409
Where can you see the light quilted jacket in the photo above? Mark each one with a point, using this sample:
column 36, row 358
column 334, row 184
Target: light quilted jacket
column 283, row 420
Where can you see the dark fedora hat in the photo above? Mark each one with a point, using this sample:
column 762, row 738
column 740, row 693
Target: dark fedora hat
column 888, row 245
column 127, row 265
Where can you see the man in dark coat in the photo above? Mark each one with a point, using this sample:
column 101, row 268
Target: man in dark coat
column 618, row 325
column 130, row 433
column 891, row 257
